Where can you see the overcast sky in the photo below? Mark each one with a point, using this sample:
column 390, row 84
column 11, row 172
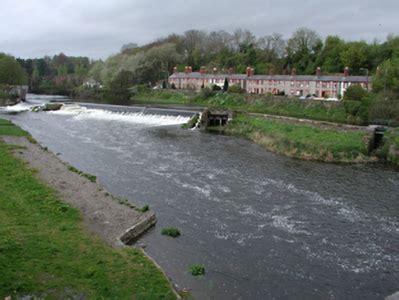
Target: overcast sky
column 98, row 28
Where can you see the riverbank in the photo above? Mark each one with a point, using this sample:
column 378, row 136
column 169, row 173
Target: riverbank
column 58, row 229
column 302, row 141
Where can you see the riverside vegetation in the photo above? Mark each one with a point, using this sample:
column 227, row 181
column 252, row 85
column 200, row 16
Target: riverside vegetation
column 46, row 252
column 296, row 140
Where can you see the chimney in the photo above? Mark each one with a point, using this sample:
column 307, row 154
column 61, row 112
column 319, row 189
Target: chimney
column 318, row 72
column 346, row 72
column 252, row 71
column 203, row 70
column 174, row 70
column 293, row 72
column 248, row 71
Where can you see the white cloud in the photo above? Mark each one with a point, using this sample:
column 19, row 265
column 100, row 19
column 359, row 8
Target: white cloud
column 98, row 28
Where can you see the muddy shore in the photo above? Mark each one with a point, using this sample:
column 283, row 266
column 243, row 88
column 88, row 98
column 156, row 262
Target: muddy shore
column 103, row 214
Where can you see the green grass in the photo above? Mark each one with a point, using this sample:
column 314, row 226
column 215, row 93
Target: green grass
column 301, row 141
column 283, row 106
column 172, row 232
column 90, row 177
column 8, row 128
column 45, row 251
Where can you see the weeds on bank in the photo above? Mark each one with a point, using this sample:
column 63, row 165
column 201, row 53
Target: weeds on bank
column 172, row 232
column 197, row 270
column 90, row 177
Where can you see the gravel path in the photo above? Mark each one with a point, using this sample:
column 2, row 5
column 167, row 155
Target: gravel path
column 102, row 213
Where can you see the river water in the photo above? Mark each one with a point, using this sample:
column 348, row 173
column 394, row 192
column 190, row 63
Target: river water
column 265, row 226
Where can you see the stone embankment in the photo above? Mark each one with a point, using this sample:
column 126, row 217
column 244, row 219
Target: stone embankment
column 103, row 214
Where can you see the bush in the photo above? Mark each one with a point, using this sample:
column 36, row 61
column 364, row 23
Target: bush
column 355, row 93
column 172, row 232
column 235, row 89
column 216, row 88
column 206, row 93
column 384, row 109
column 144, row 209
column 197, row 270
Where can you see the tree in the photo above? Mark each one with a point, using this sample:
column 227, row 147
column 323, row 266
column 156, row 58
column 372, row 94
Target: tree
column 356, row 56
column 355, row 93
column 329, row 58
column 226, row 85
column 302, row 49
column 119, row 87
column 387, row 77
column 11, row 72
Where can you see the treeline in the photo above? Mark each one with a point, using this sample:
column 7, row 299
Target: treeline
column 304, row 50
column 59, row 74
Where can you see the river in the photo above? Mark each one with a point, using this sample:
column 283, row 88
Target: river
column 265, row 226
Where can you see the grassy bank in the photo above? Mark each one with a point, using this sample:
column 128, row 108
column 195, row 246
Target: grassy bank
column 46, row 252
column 390, row 149
column 302, row 141
column 340, row 112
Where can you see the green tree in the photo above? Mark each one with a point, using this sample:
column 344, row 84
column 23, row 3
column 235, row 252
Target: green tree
column 226, row 85
column 386, row 79
column 11, row 72
column 356, row 93
column 356, row 56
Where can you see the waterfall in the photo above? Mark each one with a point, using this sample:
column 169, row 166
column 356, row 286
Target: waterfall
column 83, row 113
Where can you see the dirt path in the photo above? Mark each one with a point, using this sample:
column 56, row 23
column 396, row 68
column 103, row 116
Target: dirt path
column 102, row 214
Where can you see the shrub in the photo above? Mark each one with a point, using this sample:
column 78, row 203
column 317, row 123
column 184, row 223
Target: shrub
column 355, row 93
column 235, row 89
column 216, row 88
column 144, row 209
column 172, row 232
column 206, row 93
column 197, row 270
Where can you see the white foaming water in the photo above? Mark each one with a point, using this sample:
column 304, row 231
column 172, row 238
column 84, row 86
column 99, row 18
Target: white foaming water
column 18, row 107
column 82, row 113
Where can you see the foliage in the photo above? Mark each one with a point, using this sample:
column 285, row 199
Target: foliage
column 384, row 109
column 46, row 251
column 197, row 270
column 59, row 74
column 90, row 177
column 144, row 209
column 387, row 77
column 355, row 93
column 226, row 85
column 11, row 73
column 302, row 141
column 206, row 93
column 235, row 89
column 172, row 232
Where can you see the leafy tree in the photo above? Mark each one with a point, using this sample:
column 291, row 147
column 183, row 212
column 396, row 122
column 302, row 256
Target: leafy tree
column 387, row 77
column 356, row 93
column 11, row 72
column 356, row 56
column 119, row 87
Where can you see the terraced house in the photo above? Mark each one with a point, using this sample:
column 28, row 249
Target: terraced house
column 318, row 85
